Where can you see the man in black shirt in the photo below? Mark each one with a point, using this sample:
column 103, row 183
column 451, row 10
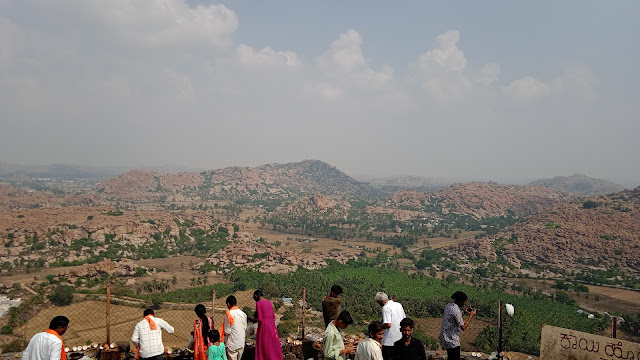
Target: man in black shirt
column 408, row 348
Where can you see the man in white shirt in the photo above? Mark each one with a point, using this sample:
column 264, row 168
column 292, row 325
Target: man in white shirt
column 370, row 348
column 48, row 345
column 147, row 336
column 235, row 328
column 392, row 314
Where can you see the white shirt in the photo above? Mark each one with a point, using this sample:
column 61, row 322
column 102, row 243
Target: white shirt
column 234, row 335
column 392, row 313
column 43, row 346
column 369, row 349
column 150, row 341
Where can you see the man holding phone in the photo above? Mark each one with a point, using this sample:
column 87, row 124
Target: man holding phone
column 452, row 324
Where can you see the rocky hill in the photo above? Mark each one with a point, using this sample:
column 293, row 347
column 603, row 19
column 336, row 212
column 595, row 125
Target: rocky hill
column 597, row 232
column 479, row 199
column 263, row 182
column 580, row 184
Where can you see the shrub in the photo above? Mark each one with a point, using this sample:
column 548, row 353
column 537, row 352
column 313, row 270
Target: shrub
column 590, row 204
column 7, row 329
column 62, row 295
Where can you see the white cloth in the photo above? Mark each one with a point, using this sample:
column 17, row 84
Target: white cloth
column 150, row 341
column 234, row 354
column 234, row 335
column 392, row 313
column 43, row 346
column 369, row 349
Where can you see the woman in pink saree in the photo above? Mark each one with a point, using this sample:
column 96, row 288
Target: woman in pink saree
column 267, row 339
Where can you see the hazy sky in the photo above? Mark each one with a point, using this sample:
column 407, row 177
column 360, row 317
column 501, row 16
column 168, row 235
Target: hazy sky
column 502, row 90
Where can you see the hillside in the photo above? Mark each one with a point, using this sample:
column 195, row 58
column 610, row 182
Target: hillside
column 418, row 183
column 269, row 181
column 580, row 184
column 479, row 200
column 600, row 232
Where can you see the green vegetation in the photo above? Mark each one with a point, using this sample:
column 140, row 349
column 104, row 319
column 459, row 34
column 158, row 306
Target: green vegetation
column 62, row 295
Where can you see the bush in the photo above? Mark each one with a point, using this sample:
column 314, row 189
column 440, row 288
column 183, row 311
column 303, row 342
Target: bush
column 62, row 295
column 7, row 329
column 17, row 345
column 590, row 204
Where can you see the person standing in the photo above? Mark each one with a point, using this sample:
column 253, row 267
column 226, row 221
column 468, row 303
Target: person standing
column 452, row 324
column 48, row 345
column 267, row 339
column 147, row 336
column 371, row 347
column 234, row 329
column 408, row 348
column 331, row 304
column 333, row 343
column 216, row 350
column 392, row 314
column 201, row 328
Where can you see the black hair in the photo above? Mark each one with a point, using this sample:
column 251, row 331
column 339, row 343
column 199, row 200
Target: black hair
column 201, row 311
column 375, row 327
column 336, row 289
column 257, row 294
column 231, row 300
column 345, row 317
column 58, row 321
column 459, row 296
column 214, row 336
column 148, row 312
column 407, row 322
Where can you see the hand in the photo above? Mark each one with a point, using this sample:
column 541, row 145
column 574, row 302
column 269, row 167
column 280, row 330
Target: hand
column 473, row 312
column 349, row 349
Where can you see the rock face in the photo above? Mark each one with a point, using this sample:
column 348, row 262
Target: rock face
column 262, row 182
column 600, row 232
column 580, row 184
column 318, row 203
column 476, row 199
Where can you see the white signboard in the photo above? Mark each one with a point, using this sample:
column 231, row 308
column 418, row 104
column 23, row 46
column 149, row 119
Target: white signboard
column 558, row 343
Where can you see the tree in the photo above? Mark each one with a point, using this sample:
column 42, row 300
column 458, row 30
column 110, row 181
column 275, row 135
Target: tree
column 62, row 295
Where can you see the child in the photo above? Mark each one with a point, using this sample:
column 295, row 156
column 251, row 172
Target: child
column 216, row 351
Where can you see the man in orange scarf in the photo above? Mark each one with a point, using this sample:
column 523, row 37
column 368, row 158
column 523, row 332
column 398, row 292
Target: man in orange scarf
column 48, row 345
column 234, row 329
column 147, row 335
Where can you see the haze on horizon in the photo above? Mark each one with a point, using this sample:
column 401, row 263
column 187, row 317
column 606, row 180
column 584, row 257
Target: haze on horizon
column 462, row 90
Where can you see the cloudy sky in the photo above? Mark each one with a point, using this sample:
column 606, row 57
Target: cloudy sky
column 500, row 90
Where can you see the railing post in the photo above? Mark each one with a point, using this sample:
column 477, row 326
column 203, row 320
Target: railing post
column 614, row 327
column 499, row 327
column 304, row 305
column 108, row 313
column 213, row 303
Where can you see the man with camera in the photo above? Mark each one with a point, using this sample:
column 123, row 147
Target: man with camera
column 452, row 324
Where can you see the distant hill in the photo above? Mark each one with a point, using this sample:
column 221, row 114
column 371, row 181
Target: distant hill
column 419, row 183
column 599, row 232
column 580, row 184
column 264, row 182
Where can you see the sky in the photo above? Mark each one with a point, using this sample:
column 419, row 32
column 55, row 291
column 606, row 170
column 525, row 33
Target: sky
column 508, row 91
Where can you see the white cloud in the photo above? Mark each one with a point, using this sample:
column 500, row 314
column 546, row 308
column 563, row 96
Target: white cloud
column 526, row 89
column 442, row 69
column 267, row 57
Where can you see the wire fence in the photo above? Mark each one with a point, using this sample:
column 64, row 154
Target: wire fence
column 100, row 318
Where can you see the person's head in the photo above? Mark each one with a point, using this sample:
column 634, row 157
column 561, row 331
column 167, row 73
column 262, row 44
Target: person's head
column 231, row 301
column 257, row 295
column 201, row 310
column 214, row 336
column 459, row 298
column 336, row 290
column 406, row 328
column 376, row 331
column 59, row 324
column 148, row 312
column 381, row 298
column 343, row 320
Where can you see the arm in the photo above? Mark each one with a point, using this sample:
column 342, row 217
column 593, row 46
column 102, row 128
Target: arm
column 135, row 338
column 227, row 327
column 259, row 315
column 466, row 324
column 327, row 347
column 165, row 325
column 386, row 317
